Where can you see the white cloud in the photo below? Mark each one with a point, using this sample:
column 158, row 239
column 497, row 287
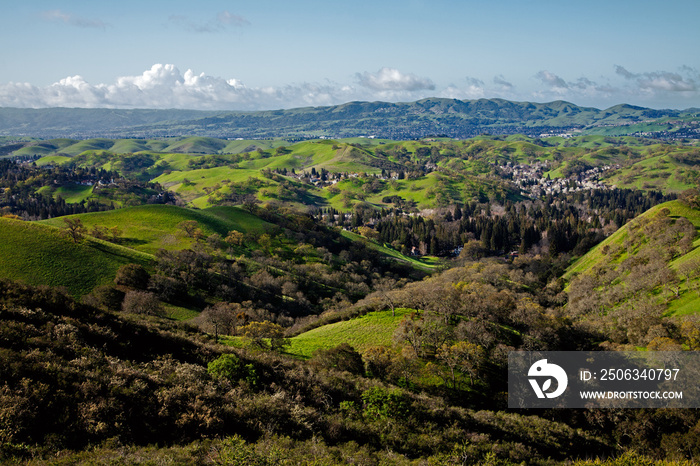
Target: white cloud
column 59, row 16
column 663, row 81
column 582, row 91
column 390, row 79
column 552, row 80
column 165, row 86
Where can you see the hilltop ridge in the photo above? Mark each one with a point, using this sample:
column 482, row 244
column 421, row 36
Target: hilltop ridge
column 403, row 120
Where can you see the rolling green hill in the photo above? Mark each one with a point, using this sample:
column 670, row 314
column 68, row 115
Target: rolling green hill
column 51, row 146
column 88, row 144
column 649, row 252
column 39, row 255
column 152, row 227
column 122, row 146
column 438, row 171
column 373, row 329
column 427, row 263
column 197, row 145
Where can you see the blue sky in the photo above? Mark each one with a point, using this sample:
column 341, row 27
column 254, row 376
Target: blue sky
column 263, row 54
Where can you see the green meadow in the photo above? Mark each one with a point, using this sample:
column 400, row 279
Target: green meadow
column 151, row 227
column 40, row 255
column 372, row 329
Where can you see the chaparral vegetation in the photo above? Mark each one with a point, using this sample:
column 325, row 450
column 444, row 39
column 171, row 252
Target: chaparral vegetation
column 326, row 301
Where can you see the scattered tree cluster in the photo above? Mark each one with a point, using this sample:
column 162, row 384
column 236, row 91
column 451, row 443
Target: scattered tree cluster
column 29, row 191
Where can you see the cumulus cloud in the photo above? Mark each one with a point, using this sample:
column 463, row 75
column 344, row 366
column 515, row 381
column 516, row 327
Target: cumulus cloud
column 552, row 80
column 663, row 81
column 221, row 22
column 59, row 16
column 390, row 79
column 164, row 86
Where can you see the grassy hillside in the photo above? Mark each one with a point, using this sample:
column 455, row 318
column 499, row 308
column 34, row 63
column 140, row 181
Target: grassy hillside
column 39, row 255
column 664, row 168
column 123, row 146
column 649, row 248
column 373, row 329
column 197, row 145
column 51, row 146
column 89, row 144
column 152, row 227
column 413, row 175
column 595, row 256
column 437, row 172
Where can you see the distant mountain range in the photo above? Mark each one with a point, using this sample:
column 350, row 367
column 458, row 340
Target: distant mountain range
column 427, row 117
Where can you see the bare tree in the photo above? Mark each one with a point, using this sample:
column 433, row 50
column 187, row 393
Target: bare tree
column 410, row 331
column 223, row 317
column 142, row 302
column 690, row 271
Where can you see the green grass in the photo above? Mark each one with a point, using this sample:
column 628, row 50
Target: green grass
column 123, row 146
column 175, row 161
column 87, row 145
column 197, row 145
column 152, row 227
column 243, row 145
column 689, row 301
column 74, row 193
column 52, row 160
column 373, row 329
column 191, row 184
column 178, row 313
column 39, row 255
column 659, row 172
column 595, row 255
column 422, row 191
column 51, row 146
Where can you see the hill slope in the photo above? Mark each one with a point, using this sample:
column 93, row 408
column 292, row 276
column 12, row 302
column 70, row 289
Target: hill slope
column 39, row 255
column 373, row 329
column 151, row 227
column 652, row 262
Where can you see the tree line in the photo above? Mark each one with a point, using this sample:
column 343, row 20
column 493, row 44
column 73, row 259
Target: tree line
column 568, row 223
